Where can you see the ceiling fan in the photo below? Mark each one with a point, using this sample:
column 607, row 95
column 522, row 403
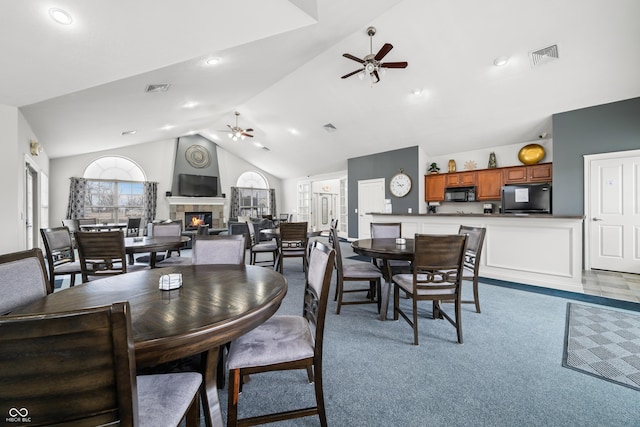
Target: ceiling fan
column 237, row 132
column 371, row 63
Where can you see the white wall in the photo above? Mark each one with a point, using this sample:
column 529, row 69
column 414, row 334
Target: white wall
column 13, row 182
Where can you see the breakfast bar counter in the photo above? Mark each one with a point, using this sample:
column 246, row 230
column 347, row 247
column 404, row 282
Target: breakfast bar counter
column 534, row 249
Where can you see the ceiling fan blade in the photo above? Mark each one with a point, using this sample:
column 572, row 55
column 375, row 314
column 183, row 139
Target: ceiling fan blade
column 383, row 51
column 248, row 130
column 355, row 58
column 350, row 74
column 229, row 126
column 375, row 73
column 246, row 134
column 394, row 64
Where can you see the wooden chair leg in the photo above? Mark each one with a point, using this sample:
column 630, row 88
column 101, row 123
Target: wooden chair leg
column 475, row 294
column 234, row 392
column 319, row 396
column 415, row 322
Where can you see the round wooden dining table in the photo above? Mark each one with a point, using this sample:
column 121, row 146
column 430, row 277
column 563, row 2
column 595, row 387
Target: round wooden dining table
column 216, row 304
column 386, row 250
column 152, row 244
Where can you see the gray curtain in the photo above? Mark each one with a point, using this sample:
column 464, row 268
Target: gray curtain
column 272, row 203
column 149, row 202
column 234, row 203
column 77, row 195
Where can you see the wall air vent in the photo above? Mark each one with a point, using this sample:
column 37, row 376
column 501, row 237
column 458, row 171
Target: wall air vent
column 158, row 88
column 329, row 127
column 544, row 55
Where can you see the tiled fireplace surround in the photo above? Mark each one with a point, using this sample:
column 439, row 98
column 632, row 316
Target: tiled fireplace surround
column 216, row 205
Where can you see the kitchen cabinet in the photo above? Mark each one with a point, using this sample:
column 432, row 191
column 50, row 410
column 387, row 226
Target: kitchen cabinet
column 526, row 174
column 434, row 187
column 488, row 184
column 460, row 179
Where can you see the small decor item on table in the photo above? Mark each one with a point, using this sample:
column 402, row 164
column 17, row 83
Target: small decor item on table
column 452, row 166
column 492, row 161
column 433, row 168
column 470, row 165
column 171, row 281
column 531, row 154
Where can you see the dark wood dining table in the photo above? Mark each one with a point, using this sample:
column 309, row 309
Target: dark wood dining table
column 103, row 227
column 216, row 304
column 386, row 250
column 136, row 245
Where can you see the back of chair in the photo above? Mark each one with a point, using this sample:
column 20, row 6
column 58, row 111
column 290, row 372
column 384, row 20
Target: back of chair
column 74, row 226
column 23, row 278
column 334, row 225
column 73, row 367
column 228, row 249
column 133, row 227
column 316, row 294
column 293, row 236
column 87, row 221
column 335, row 244
column 283, row 217
column 101, row 254
column 59, row 248
column 166, row 229
column 438, row 262
column 386, row 230
column 474, row 246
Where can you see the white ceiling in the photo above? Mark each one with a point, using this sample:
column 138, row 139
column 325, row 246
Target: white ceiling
column 80, row 86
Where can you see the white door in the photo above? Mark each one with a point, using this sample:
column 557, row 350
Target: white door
column 613, row 211
column 370, row 199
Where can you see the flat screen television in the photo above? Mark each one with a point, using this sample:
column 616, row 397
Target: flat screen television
column 197, row 185
column 526, row 198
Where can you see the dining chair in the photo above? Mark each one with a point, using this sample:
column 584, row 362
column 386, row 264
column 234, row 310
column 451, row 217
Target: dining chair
column 293, row 243
column 173, row 228
column 389, row 230
column 74, row 226
column 239, row 228
column 437, row 276
column 133, row 227
column 61, row 257
column 286, row 342
column 78, row 368
column 472, row 260
column 214, row 249
column 23, row 278
column 87, row 221
column 102, row 254
column 258, row 247
column 283, row 217
column 356, row 272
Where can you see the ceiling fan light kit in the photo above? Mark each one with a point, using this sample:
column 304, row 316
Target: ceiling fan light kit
column 237, row 133
column 371, row 64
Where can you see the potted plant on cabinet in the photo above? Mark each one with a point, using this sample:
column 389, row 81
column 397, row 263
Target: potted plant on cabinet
column 433, row 168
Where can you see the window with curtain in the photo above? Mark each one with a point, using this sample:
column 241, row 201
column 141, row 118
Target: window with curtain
column 252, row 196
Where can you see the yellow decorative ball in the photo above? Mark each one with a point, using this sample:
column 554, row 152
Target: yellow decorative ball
column 531, row 154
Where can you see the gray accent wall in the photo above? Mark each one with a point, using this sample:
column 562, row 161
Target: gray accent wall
column 182, row 166
column 599, row 129
column 384, row 165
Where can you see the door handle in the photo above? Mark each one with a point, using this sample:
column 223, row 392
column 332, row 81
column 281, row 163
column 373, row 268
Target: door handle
column 596, row 219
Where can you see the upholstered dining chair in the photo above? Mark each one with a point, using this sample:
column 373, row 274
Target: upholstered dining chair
column 285, row 343
column 472, row 260
column 133, row 227
column 78, row 368
column 389, row 230
column 293, row 243
column 173, row 228
column 74, row 226
column 214, row 249
column 87, row 221
column 258, row 247
column 61, row 257
column 23, row 278
column 437, row 276
column 102, row 254
column 356, row 272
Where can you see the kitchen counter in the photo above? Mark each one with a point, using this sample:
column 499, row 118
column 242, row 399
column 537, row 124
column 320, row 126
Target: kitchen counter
column 535, row 249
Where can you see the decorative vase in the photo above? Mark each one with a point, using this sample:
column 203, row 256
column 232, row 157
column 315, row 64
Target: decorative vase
column 452, row 166
column 492, row 161
column 531, row 154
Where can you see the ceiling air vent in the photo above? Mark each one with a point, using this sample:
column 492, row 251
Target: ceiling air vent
column 544, row 55
column 329, row 127
column 266, row 148
column 158, row 88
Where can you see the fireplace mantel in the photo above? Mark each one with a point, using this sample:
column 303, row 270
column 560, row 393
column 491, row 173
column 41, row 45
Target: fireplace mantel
column 181, row 200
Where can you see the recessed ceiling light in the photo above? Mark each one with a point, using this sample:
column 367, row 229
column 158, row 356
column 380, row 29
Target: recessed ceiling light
column 501, row 61
column 293, row 131
column 257, row 144
column 60, row 16
column 213, row 61
column 417, row 91
column 190, row 105
column 167, row 127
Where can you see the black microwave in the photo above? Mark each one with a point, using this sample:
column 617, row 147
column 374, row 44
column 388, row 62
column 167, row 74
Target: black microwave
column 460, row 194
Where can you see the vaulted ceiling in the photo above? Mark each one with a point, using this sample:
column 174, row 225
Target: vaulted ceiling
column 80, row 86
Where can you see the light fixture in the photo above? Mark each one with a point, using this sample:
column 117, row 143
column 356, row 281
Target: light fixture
column 417, row 91
column 35, row 147
column 213, row 61
column 501, row 61
column 190, row 105
column 62, row 17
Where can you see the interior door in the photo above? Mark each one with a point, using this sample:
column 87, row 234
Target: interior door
column 613, row 220
column 371, row 194
column 31, row 205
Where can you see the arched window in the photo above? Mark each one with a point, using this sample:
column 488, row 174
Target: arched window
column 115, row 189
column 253, row 192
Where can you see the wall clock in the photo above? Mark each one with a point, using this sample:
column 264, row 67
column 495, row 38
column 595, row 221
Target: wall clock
column 400, row 184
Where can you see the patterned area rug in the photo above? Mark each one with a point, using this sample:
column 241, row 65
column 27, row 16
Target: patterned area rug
column 604, row 343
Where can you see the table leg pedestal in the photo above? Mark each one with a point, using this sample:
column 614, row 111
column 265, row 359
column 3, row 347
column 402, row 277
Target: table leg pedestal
column 211, row 403
column 386, row 291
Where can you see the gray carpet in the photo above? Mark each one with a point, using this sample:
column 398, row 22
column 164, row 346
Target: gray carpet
column 604, row 343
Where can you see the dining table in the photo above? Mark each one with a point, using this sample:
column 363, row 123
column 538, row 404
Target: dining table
column 152, row 245
column 214, row 305
column 109, row 226
column 385, row 249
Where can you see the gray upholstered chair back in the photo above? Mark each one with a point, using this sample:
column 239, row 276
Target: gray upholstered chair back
column 228, row 249
column 166, row 229
column 386, row 230
column 23, row 278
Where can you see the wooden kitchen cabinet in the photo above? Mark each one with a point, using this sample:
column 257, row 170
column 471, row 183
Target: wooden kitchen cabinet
column 460, row 179
column 434, row 187
column 489, row 184
column 526, row 174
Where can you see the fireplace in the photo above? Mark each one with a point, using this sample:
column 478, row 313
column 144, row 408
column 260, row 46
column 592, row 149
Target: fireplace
column 194, row 219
